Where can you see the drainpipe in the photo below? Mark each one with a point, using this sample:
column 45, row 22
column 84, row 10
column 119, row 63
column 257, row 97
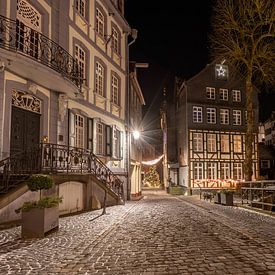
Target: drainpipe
column 128, row 128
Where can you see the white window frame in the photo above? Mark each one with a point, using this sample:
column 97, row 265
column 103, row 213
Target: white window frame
column 210, row 93
column 115, row 90
column 81, row 7
column 237, row 143
column 211, row 170
column 100, row 23
column 100, row 139
column 79, row 131
column 236, row 95
column 211, row 115
column 211, row 143
column 225, row 170
column 99, row 79
column 237, row 117
column 197, row 114
column 115, row 40
column 197, row 142
column 224, row 116
column 80, row 57
column 198, row 170
column 224, row 94
column 225, row 144
column 237, row 171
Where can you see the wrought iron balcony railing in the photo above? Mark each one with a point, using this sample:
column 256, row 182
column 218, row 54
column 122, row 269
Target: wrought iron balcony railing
column 54, row 159
column 17, row 37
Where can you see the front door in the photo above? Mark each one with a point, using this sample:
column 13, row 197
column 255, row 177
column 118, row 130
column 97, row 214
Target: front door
column 25, row 129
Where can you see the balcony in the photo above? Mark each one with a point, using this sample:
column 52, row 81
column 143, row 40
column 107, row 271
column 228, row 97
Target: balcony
column 34, row 56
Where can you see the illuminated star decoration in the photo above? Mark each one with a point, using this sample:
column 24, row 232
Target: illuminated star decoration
column 221, row 71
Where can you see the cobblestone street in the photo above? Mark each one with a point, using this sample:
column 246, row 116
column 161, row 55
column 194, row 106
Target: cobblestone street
column 159, row 234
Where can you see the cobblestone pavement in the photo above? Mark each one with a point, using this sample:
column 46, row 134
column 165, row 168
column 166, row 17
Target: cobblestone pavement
column 160, row 234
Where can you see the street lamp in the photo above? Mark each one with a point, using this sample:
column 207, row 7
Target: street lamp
column 136, row 134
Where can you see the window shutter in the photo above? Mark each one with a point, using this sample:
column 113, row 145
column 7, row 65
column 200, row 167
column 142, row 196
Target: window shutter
column 108, row 139
column 71, row 128
column 90, row 134
column 121, row 142
column 114, row 145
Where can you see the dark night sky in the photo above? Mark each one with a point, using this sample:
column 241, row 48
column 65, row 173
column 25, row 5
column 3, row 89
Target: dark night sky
column 172, row 38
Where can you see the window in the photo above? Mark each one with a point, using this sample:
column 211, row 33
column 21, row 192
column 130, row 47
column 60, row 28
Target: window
column 116, row 143
column 79, row 131
column 265, row 164
column 225, row 143
column 115, row 90
column 115, row 41
column 211, row 143
column 197, row 114
column 211, row 170
column 237, row 117
column 99, row 79
column 236, row 95
column 99, row 23
column 224, row 116
column 197, row 142
column 225, row 170
column 80, row 58
column 80, row 7
column 211, row 115
column 237, row 143
column 210, row 93
column 223, row 94
column 198, row 170
column 99, row 139
column 237, row 171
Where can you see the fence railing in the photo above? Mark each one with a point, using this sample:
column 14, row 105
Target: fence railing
column 260, row 194
column 21, row 39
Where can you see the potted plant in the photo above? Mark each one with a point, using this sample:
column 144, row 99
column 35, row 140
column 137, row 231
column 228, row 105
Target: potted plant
column 41, row 216
column 217, row 197
column 227, row 197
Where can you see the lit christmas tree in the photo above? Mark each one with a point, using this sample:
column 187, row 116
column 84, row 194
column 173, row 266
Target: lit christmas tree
column 151, row 178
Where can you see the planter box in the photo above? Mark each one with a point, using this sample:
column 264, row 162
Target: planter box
column 217, row 198
column 227, row 199
column 38, row 221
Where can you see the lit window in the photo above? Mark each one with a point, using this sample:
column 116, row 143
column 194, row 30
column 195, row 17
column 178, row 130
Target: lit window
column 237, row 117
column 115, row 41
column 211, row 143
column 115, row 90
column 99, row 23
column 99, row 139
column 99, row 79
column 80, row 7
column 237, row 143
column 211, row 170
column 236, row 95
column 197, row 142
column 237, row 171
column 224, row 116
column 197, row 114
column 210, row 93
column 225, row 143
column 211, row 115
column 225, row 170
column 79, row 131
column 223, row 94
column 80, row 58
column 198, row 170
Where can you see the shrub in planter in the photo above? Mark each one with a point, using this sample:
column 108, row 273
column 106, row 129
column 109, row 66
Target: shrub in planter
column 39, row 217
column 227, row 197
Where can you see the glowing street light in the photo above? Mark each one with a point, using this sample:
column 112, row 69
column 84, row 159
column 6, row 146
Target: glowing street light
column 136, row 134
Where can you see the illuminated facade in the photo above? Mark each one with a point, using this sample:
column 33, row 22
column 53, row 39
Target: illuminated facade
column 210, row 123
column 63, row 78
